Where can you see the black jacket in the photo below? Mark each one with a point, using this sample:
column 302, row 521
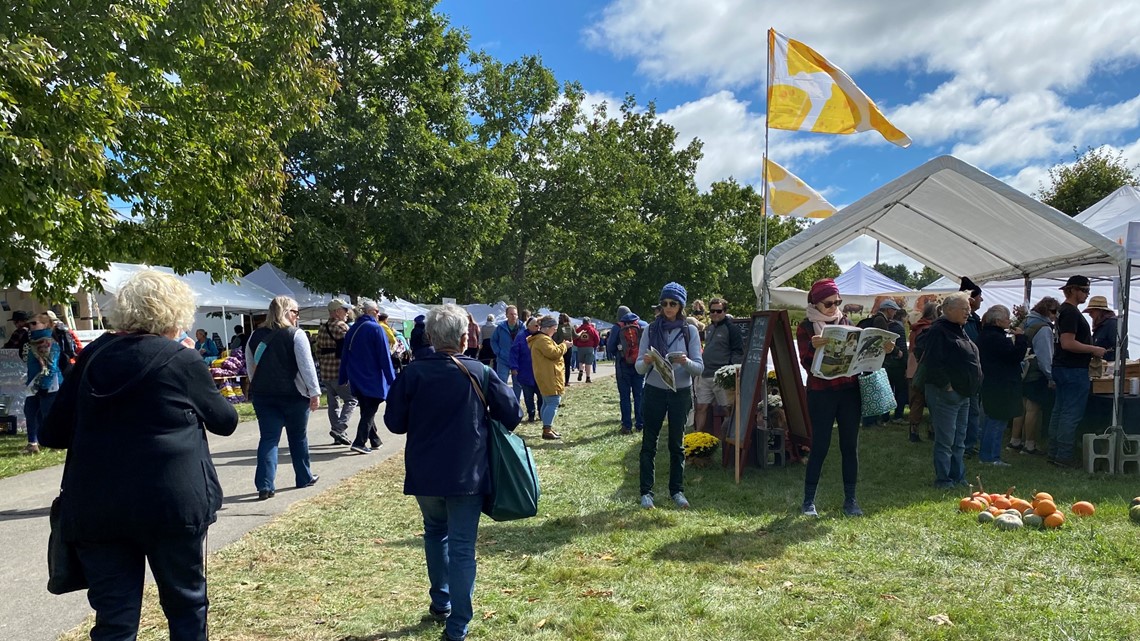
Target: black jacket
column 139, row 465
column 1001, row 366
column 949, row 358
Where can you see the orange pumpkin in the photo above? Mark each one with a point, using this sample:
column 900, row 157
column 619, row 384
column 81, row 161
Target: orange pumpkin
column 970, row 505
column 1055, row 520
column 994, row 497
column 1083, row 508
column 1044, row 507
column 1043, row 496
column 1003, row 502
column 993, row 510
column 1021, row 505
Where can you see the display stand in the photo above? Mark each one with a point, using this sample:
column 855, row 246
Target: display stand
column 764, row 331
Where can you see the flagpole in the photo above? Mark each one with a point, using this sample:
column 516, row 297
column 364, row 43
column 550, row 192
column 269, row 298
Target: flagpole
column 764, row 295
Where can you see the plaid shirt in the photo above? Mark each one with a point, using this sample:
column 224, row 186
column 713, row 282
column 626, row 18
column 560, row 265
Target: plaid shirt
column 328, row 363
column 804, row 332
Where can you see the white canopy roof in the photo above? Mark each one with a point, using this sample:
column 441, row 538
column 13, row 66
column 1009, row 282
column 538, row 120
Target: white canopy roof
column 277, row 281
column 1111, row 215
column 957, row 219
column 238, row 296
column 862, row 280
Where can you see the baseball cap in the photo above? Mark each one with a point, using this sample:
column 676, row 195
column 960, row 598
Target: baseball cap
column 337, row 303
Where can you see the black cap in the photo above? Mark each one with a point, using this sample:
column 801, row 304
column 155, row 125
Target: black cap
column 1077, row 281
column 20, row 317
column 969, row 286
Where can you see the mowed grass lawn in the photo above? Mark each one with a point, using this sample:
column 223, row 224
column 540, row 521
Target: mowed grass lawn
column 742, row 564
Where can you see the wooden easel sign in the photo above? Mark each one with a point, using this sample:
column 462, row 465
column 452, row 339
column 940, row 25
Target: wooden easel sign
column 764, row 331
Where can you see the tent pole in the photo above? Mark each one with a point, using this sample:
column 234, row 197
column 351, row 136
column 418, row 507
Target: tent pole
column 1028, row 292
column 225, row 328
column 1121, row 346
column 765, row 295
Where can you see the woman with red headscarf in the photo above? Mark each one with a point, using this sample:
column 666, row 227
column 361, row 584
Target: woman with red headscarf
column 830, row 402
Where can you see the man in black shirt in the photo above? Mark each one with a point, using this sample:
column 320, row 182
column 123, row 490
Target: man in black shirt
column 1070, row 372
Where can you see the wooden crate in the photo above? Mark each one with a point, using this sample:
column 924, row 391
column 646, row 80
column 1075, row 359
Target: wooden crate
column 1103, row 385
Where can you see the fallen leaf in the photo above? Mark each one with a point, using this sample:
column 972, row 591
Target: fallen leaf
column 531, row 599
column 787, row 585
column 606, row 557
column 598, row 593
column 507, row 591
column 940, row 619
column 540, row 623
column 488, row 614
column 760, row 568
column 890, row 597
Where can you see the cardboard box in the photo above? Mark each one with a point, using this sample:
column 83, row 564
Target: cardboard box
column 1104, row 385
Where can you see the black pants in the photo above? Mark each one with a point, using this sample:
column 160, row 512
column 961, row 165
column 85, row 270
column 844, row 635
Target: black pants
column 566, row 360
column 828, row 407
column 901, row 387
column 115, row 572
column 659, row 404
column 366, row 429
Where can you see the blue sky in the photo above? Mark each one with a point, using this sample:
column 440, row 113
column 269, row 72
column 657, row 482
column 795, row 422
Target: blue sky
column 1010, row 87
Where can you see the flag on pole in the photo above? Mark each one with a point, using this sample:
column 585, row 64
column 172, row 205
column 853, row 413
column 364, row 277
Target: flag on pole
column 808, row 93
column 790, row 196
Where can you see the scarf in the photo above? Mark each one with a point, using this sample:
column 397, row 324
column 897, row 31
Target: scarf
column 819, row 319
column 659, row 329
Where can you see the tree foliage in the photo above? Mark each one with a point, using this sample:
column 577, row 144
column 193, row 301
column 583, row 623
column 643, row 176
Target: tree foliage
column 388, row 193
column 149, row 131
column 1093, row 175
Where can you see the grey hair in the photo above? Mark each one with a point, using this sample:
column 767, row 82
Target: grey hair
column 446, row 326
column 367, row 304
column 995, row 314
column 957, row 299
column 154, row 302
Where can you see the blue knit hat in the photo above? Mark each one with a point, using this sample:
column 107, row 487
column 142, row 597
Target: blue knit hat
column 674, row 291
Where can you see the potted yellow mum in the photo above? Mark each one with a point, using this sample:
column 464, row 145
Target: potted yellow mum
column 699, row 448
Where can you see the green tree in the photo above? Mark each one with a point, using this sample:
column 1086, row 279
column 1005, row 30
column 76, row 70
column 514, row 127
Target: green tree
column 1094, row 175
column 149, row 131
column 921, row 279
column 389, row 194
column 898, row 273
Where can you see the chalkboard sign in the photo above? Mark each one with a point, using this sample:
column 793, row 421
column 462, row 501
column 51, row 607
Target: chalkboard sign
column 752, row 373
column 13, row 373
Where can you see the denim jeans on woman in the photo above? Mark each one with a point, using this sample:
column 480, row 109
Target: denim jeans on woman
column 451, row 524
column 36, row 408
column 630, row 384
column 530, row 393
column 273, row 413
column 549, row 409
column 657, row 403
column 1068, row 410
column 989, row 445
column 949, row 412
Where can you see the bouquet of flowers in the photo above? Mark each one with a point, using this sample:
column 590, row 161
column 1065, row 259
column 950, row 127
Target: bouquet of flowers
column 1020, row 313
column 700, row 444
column 725, row 377
column 775, row 401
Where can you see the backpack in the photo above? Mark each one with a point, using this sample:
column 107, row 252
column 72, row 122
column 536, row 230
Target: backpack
column 629, row 341
column 69, row 347
column 1030, row 371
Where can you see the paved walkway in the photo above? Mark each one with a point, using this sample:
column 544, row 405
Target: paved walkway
column 28, row 612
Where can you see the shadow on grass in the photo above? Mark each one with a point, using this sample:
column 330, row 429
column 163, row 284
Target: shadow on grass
column 406, row 631
column 732, row 545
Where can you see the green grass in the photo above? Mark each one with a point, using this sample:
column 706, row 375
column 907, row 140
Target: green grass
column 742, row 564
column 13, row 461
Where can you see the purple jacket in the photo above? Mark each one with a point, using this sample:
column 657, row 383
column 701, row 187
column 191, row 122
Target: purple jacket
column 520, row 359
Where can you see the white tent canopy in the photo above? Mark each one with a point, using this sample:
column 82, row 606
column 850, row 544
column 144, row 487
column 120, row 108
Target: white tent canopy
column 239, row 296
column 862, row 280
column 957, row 219
column 277, row 281
column 1112, row 214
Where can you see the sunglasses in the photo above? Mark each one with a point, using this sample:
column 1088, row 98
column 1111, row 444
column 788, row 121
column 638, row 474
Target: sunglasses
column 716, row 311
column 670, row 303
column 832, row 303
column 293, row 311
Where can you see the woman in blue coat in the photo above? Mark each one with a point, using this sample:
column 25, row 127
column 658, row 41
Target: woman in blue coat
column 522, row 368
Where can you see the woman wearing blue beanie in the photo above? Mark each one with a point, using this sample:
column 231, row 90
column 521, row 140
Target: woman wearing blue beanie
column 679, row 342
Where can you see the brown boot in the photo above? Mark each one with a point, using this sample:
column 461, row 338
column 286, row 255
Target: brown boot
column 549, row 434
column 32, row 448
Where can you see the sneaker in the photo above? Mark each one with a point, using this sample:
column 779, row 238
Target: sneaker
column 808, row 509
column 681, row 501
column 647, row 501
column 313, row 481
column 914, row 438
column 587, row 379
column 31, row 448
column 376, row 444
column 530, row 419
column 265, row 495
column 439, row 616
column 1032, row 452
column 625, row 430
column 638, row 428
column 361, row 449
column 1015, row 448
column 851, row 508
column 1068, row 464
column 549, row 434
column 1000, row 463
column 579, row 376
column 339, row 438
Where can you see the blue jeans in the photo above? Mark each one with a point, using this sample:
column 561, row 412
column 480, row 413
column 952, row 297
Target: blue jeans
column 36, row 408
column 974, row 422
column 272, row 414
column 629, row 384
column 530, row 393
column 550, row 409
column 451, row 524
column 659, row 404
column 1068, row 410
column 503, row 369
column 949, row 412
column 115, row 572
column 992, row 431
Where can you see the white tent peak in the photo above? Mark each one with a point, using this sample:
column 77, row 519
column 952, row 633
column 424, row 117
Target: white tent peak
column 1111, row 215
column 957, row 219
column 864, row 280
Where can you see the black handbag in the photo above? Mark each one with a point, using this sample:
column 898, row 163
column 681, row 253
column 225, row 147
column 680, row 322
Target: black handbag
column 65, row 572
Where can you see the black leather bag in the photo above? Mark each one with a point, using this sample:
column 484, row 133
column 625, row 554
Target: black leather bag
column 65, row 573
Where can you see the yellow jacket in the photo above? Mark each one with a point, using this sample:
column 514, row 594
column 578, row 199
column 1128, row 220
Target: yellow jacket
column 391, row 334
column 546, row 357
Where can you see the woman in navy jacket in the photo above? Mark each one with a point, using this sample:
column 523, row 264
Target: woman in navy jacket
column 139, row 484
column 435, row 403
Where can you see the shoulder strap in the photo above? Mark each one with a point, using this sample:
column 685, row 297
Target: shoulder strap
column 474, row 383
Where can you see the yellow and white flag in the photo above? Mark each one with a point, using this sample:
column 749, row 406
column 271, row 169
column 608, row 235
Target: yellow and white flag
column 808, row 93
column 790, row 196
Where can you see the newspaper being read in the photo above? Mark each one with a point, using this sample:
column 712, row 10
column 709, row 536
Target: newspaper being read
column 851, row 350
column 664, row 368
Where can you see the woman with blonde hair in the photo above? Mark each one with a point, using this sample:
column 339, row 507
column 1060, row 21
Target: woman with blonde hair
column 139, row 487
column 44, row 377
column 284, row 389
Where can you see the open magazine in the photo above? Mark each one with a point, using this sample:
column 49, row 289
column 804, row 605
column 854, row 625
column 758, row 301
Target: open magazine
column 664, row 367
column 850, row 351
